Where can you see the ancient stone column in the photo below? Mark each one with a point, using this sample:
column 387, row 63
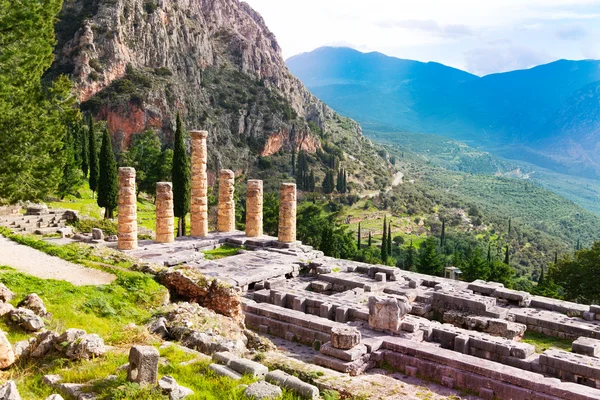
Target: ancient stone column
column 226, row 212
column 199, row 200
column 254, row 208
column 165, row 217
column 287, row 213
column 127, row 209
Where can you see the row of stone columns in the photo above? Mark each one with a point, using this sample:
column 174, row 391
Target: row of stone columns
column 165, row 221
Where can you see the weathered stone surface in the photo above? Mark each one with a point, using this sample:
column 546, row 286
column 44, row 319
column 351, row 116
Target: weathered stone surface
column 586, row 346
column 86, row 346
column 34, row 303
column 224, row 370
column 127, row 217
column 387, row 314
column 7, row 355
column 165, row 217
column 199, row 185
column 67, row 337
column 143, row 365
column 23, row 348
column 343, row 354
column 344, row 338
column 169, row 386
column 159, row 327
column 9, row 391
column 6, row 294
column 293, row 384
column 26, row 319
column 247, row 367
column 254, row 208
column 5, row 308
column 226, row 208
column 97, row 234
column 287, row 213
column 262, row 390
column 43, row 344
column 54, row 397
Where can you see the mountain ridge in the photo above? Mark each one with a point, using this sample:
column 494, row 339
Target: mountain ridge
column 512, row 113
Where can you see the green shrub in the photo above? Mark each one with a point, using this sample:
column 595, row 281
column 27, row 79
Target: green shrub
column 85, row 225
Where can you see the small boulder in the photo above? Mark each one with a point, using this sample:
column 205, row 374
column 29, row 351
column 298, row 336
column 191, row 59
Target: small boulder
column 7, row 355
column 26, row 319
column 262, row 390
column 112, row 238
column 169, row 386
column 159, row 327
column 9, row 391
column 97, row 234
column 69, row 336
column 44, row 343
column 23, row 348
column 55, row 397
column 6, row 294
column 85, row 347
column 34, row 303
column 5, row 308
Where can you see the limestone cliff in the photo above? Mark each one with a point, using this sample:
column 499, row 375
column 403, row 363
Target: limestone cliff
column 135, row 63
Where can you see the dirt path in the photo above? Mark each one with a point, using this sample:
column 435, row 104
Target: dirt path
column 33, row 262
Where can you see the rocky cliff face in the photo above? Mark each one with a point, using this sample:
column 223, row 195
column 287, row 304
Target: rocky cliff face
column 136, row 63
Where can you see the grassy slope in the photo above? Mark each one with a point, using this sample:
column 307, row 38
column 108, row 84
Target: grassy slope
column 108, row 310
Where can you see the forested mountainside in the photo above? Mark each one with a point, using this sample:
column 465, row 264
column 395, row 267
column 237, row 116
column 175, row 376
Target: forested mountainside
column 544, row 114
column 136, row 63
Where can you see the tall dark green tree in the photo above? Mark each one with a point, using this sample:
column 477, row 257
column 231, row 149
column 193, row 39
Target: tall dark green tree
column 180, row 174
column 429, row 261
column 108, row 187
column 507, row 256
column 411, row 257
column 84, row 152
column 71, row 176
column 34, row 115
column 93, row 157
column 384, row 253
column 389, row 239
column 358, row 241
column 311, row 181
column 443, row 235
column 143, row 155
column 328, row 182
column 294, row 161
column 370, row 243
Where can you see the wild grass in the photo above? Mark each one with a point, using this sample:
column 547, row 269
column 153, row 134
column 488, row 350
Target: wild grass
column 543, row 342
column 221, row 252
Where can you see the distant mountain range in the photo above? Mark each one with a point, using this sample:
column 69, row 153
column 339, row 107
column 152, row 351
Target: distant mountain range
column 549, row 114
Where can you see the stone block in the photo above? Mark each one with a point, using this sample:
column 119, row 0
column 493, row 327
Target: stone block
column 411, row 370
column 326, row 311
column 448, row 381
column 345, row 337
column 247, row 367
column 225, row 371
column 380, row 277
column 143, row 365
column 292, row 383
column 414, row 283
column 461, row 344
column 346, row 355
column 342, row 314
column 486, row 394
column 387, row 314
column 586, row 346
column 223, row 357
column 262, row 390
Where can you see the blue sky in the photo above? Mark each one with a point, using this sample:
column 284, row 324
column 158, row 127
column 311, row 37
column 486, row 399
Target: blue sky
column 481, row 37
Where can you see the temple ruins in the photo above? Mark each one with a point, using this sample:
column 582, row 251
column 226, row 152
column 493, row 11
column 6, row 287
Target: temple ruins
column 357, row 316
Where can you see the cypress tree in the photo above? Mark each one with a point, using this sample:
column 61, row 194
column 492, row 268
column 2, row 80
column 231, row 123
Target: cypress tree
column 339, row 185
column 359, row 235
column 578, row 245
column 370, row 239
column 506, row 256
column 108, row 190
column 180, row 174
column 294, row 162
column 489, row 255
column 71, row 178
column 384, row 241
column 410, row 257
column 443, row 236
column 85, row 158
column 541, row 278
column 555, row 257
column 345, row 181
column 93, row 157
column 311, row 181
column 389, row 239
